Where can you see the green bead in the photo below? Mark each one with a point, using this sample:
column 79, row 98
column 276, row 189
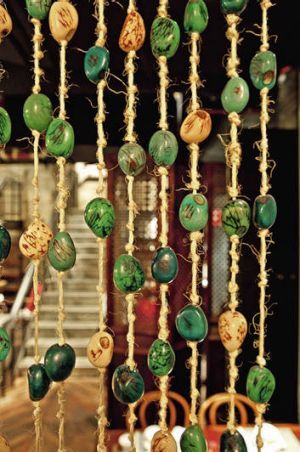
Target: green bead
column 232, row 442
column 60, row 138
column 163, row 148
column 264, row 211
column 100, row 217
column 161, row 358
column 263, row 70
column 37, row 112
column 260, row 384
column 236, row 216
column 128, row 274
column 193, row 440
column 233, row 6
column 96, row 63
column 59, row 361
column 5, row 344
column 191, row 323
column 127, row 385
column 193, row 212
column 38, row 9
column 164, row 265
column 164, row 37
column 5, row 243
column 131, row 159
column 195, row 16
column 38, row 382
column 62, row 252
column 235, row 95
column 5, row 127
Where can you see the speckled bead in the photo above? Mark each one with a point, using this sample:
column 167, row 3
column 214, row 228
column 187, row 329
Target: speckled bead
column 133, row 33
column 34, row 241
column 164, row 37
column 195, row 16
column 236, row 217
column 63, row 21
column 161, row 358
column 5, row 243
column 5, row 127
column 232, row 327
column 127, row 385
column 100, row 217
column 128, row 275
column 163, row 148
column 193, row 439
column 60, row 138
column 163, row 442
column 131, row 159
column 196, row 127
column 260, row 384
column 5, row 344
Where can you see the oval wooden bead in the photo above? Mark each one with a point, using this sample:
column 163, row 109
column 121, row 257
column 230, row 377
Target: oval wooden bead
column 63, row 21
column 100, row 349
column 196, row 127
column 34, row 242
column 232, row 330
column 133, row 32
column 5, row 22
column 4, row 446
column 163, row 442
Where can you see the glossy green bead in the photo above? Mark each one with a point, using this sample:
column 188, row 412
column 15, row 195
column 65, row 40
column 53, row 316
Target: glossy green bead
column 100, row 217
column 164, row 37
column 161, row 358
column 260, row 384
column 233, row 6
column 128, row 274
column 193, row 212
column 62, row 252
column 232, row 442
column 131, row 159
column 163, row 148
column 38, row 9
column 96, row 63
column 195, row 16
column 38, row 382
column 236, row 216
column 191, row 323
column 127, row 385
column 264, row 211
column 193, row 440
column 235, row 95
column 5, row 127
column 263, row 70
column 37, row 112
column 59, row 361
column 164, row 265
column 5, row 344
column 60, row 138
column 5, row 243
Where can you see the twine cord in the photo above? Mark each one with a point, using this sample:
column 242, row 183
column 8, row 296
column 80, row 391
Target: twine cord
column 130, row 111
column 37, row 55
column 61, row 416
column 194, row 77
column 63, row 87
column 101, row 412
column 37, row 416
column 163, row 86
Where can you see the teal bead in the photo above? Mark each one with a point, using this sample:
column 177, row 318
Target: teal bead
column 96, row 63
column 38, row 382
column 100, row 217
column 127, row 385
column 163, row 148
column 59, row 361
column 37, row 112
column 131, row 159
column 5, row 344
column 128, row 274
column 193, row 440
column 5, row 127
column 164, row 265
column 161, row 358
column 233, row 6
column 5, row 243
column 195, row 16
column 236, row 216
column 264, row 211
column 232, row 442
column 60, row 138
column 62, row 252
column 191, row 323
column 164, row 37
column 193, row 212
column 235, row 95
column 260, row 384
column 38, row 9
column 263, row 70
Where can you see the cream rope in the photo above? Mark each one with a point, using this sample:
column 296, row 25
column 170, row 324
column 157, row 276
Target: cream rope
column 63, row 87
column 37, row 55
column 130, row 113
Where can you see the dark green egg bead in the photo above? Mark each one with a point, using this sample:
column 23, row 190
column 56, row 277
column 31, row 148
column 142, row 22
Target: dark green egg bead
column 193, row 440
column 260, row 384
column 100, row 217
column 5, row 243
column 131, row 159
column 59, row 361
column 264, row 211
column 38, row 382
column 62, row 252
column 38, row 9
column 5, row 127
column 127, row 385
column 236, row 216
column 233, row 6
column 193, row 212
column 263, row 70
column 163, row 148
column 232, row 442
column 60, row 138
column 37, row 112
column 96, row 63
column 195, row 16
column 191, row 323
column 164, row 37
column 5, row 344
column 128, row 274
column 164, row 265
column 161, row 358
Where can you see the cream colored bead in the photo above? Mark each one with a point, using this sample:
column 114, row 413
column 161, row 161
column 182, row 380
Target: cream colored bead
column 163, row 442
column 63, row 21
column 232, row 330
column 100, row 349
column 34, row 242
column 5, row 22
column 133, row 32
column 4, row 446
column 196, row 127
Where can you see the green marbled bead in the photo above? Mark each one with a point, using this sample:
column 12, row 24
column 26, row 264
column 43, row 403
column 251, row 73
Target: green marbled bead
column 233, row 6
column 193, row 212
column 161, row 358
column 263, row 70
column 131, row 159
column 59, row 361
column 236, row 216
column 235, row 95
column 60, row 138
column 5, row 344
column 37, row 112
column 96, row 63
column 264, row 211
column 163, row 148
column 195, row 16
column 128, row 274
column 38, row 382
column 193, row 440
column 232, row 442
column 5, row 243
column 5, row 127
column 164, row 37
column 164, row 265
column 62, row 252
column 127, row 385
column 100, row 217
column 260, row 384
column 191, row 323
column 38, row 9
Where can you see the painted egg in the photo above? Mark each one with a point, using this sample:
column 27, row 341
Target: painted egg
column 195, row 16
column 62, row 252
column 163, row 442
column 63, row 21
column 60, row 138
column 127, row 385
column 236, row 216
column 38, row 382
column 100, row 349
column 235, row 95
column 133, row 32
column 196, row 127
column 260, row 384
column 96, row 63
column 232, row 329
column 38, row 9
column 34, row 242
column 191, row 323
column 161, row 358
column 263, row 70
column 5, row 127
column 5, row 22
column 165, row 37
column 232, row 442
column 37, row 112
column 5, row 344
column 5, row 243
column 163, row 148
column 100, row 217
column 4, row 446
column 164, row 265
column 59, row 361
column 128, row 275
column 193, row 212
column 264, row 211
column 131, row 159
column 193, row 439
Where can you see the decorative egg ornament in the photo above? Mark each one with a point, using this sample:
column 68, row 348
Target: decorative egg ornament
column 133, row 33
column 34, row 242
column 260, row 384
column 60, row 138
column 100, row 217
column 195, row 16
column 62, row 252
column 163, row 148
column 196, row 127
column 161, row 358
column 163, row 442
column 127, row 385
column 232, row 327
column 100, row 349
column 164, row 37
column 63, row 21
column 193, row 212
column 59, row 362
column 193, row 439
column 128, row 275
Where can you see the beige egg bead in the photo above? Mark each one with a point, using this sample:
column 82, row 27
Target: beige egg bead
column 4, row 446
column 34, row 242
column 163, row 442
column 196, row 127
column 232, row 329
column 100, row 349
column 63, row 21
column 5, row 22
column 133, row 32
